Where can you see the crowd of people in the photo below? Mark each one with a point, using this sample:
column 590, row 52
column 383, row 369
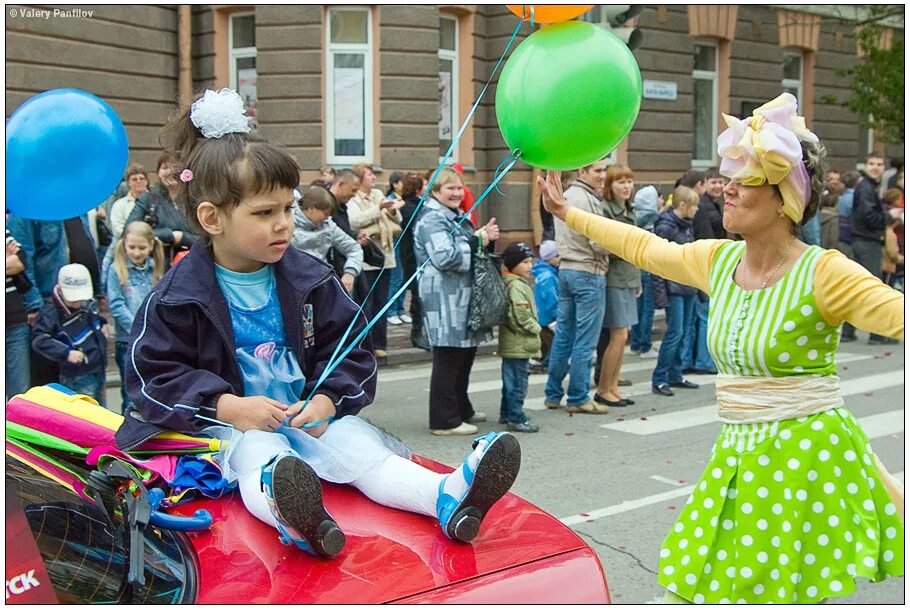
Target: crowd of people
column 860, row 214
column 231, row 221
column 588, row 303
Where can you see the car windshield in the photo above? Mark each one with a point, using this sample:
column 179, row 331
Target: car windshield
column 85, row 558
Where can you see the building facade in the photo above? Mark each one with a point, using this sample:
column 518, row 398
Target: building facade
column 390, row 84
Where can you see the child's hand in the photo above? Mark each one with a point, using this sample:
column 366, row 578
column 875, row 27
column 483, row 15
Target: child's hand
column 250, row 412
column 321, row 407
column 75, row 357
column 347, row 280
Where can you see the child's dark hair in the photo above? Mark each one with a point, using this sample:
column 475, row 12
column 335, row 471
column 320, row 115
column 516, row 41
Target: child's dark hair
column 229, row 169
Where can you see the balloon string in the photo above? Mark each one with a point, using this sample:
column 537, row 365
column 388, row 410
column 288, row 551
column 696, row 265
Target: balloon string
column 334, row 364
column 429, row 187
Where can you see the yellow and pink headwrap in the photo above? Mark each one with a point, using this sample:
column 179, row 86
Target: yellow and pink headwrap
column 765, row 147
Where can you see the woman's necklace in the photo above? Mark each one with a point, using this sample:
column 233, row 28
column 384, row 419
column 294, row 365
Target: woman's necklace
column 783, row 260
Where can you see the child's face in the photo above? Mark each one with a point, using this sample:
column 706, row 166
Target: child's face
column 316, row 216
column 523, row 268
column 256, row 232
column 554, row 262
column 137, row 248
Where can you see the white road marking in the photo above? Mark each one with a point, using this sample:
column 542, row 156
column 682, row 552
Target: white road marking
column 661, row 479
column 628, row 505
column 632, row 364
column 875, row 426
column 699, row 416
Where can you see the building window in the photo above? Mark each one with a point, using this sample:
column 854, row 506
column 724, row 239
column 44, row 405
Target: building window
column 448, row 84
column 242, row 37
column 704, row 99
column 793, row 77
column 349, row 86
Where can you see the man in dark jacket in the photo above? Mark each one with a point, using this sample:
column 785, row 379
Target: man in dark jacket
column 709, row 220
column 868, row 221
column 344, row 187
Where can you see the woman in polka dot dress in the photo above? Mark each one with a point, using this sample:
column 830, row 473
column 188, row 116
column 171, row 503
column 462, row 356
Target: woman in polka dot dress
column 792, row 507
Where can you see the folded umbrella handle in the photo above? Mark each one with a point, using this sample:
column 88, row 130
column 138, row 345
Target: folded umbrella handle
column 201, row 519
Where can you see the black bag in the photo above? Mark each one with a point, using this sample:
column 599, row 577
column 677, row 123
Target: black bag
column 105, row 236
column 373, row 254
column 489, row 304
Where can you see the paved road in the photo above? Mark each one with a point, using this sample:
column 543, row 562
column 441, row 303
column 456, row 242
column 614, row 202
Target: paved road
column 620, row 479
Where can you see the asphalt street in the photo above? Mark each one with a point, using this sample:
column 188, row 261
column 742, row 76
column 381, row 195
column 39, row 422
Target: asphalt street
column 620, row 479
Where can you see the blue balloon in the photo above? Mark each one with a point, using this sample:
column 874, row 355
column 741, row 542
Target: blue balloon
column 66, row 151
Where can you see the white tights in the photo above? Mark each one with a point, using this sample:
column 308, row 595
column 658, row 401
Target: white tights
column 394, row 481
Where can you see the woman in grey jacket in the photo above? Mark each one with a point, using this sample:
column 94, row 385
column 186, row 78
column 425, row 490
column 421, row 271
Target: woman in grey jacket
column 316, row 233
column 445, row 292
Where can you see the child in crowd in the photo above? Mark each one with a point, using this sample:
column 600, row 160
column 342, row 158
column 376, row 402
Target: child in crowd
column 546, row 298
column 239, row 333
column 316, row 233
column 69, row 330
column 519, row 337
column 138, row 265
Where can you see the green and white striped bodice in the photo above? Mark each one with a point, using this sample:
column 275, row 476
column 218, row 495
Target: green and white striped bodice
column 772, row 332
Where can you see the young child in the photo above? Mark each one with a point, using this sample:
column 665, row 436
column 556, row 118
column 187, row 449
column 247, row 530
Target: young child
column 138, row 265
column 69, row 330
column 316, row 233
column 239, row 333
column 546, row 298
column 519, row 337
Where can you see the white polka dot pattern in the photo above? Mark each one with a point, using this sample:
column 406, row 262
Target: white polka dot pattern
column 787, row 518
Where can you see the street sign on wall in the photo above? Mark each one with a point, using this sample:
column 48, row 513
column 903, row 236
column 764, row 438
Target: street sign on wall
column 658, row 90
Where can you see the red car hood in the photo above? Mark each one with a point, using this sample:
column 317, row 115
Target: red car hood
column 389, row 555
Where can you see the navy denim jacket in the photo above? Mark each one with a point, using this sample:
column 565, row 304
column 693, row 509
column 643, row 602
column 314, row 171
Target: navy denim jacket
column 182, row 355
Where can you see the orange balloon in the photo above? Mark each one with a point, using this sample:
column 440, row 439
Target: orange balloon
column 549, row 13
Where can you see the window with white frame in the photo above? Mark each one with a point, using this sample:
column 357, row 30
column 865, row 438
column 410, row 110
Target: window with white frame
column 349, row 86
column 704, row 102
column 448, row 84
column 793, row 76
column 242, row 37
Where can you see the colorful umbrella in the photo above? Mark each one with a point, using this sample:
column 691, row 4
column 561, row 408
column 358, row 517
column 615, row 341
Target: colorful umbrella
column 45, row 416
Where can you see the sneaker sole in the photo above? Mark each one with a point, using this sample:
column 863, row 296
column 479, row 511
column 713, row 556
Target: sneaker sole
column 495, row 474
column 298, row 498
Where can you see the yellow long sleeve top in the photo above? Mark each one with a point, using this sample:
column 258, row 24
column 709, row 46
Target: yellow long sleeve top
column 844, row 291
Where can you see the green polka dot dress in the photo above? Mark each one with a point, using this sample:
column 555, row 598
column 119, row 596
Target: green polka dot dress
column 790, row 511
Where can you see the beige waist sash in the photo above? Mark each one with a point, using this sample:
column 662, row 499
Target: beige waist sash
column 748, row 400
column 752, row 400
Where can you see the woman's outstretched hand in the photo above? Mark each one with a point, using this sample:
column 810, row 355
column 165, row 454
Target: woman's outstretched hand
column 551, row 191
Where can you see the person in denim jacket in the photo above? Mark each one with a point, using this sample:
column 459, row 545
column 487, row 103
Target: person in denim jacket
column 138, row 265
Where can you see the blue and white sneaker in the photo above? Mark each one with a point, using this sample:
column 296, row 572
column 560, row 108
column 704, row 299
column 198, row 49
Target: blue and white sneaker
column 294, row 495
column 486, row 475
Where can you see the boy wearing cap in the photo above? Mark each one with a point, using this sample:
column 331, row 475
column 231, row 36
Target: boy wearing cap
column 546, row 297
column 519, row 337
column 69, row 330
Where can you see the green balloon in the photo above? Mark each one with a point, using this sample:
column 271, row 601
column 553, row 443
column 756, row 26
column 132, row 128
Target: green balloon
column 568, row 95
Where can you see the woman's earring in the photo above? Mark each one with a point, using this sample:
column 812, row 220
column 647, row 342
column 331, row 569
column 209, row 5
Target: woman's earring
column 780, row 212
